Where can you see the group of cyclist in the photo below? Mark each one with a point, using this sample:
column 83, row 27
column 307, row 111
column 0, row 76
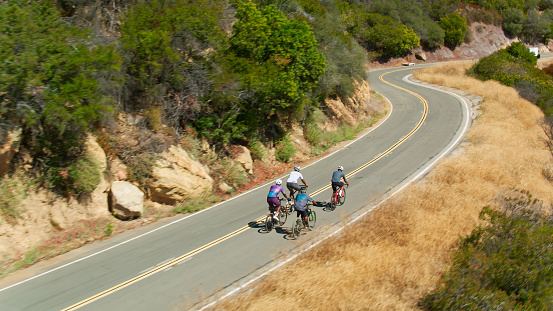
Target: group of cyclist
column 302, row 198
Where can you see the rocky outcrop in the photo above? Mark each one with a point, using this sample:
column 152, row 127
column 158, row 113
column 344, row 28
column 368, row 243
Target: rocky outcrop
column 127, row 201
column 177, row 176
column 243, row 156
column 9, row 147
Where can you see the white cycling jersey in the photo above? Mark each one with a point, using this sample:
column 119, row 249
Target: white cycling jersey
column 294, row 176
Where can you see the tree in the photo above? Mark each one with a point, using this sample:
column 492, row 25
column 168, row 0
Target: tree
column 388, row 37
column 53, row 79
column 535, row 28
column 455, row 27
column 513, row 22
column 277, row 59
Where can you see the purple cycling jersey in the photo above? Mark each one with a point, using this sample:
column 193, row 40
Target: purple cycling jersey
column 274, row 191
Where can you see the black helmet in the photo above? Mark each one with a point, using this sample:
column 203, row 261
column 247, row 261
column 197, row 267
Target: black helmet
column 303, row 189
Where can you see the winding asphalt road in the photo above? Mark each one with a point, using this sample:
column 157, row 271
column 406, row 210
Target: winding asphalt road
column 179, row 262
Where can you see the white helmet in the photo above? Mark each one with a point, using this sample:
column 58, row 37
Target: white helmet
column 297, row 168
column 278, row 182
column 341, row 168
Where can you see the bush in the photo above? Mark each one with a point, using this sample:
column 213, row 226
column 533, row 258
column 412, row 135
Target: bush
column 515, row 66
column 232, row 174
column 455, row 27
column 503, row 265
column 257, row 149
column 284, row 150
column 141, row 166
column 80, row 177
column 85, row 175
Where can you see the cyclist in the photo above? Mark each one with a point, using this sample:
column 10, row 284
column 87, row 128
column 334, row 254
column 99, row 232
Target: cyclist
column 292, row 182
column 272, row 198
column 337, row 180
column 301, row 204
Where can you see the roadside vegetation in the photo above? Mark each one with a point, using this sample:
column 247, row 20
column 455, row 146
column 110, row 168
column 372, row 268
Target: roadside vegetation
column 398, row 253
column 226, row 72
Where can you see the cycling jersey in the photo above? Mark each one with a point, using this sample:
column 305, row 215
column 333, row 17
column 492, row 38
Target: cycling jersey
column 337, row 176
column 301, row 201
column 274, row 191
column 294, row 176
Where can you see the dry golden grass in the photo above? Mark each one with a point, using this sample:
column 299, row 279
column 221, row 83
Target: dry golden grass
column 396, row 254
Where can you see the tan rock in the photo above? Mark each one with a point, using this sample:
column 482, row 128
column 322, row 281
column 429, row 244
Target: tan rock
column 127, row 201
column 177, row 177
column 243, row 156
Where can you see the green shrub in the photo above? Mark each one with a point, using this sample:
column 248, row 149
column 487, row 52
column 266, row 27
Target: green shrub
column 85, row 175
column 232, row 174
column 80, row 177
column 455, row 27
column 257, row 149
column 388, row 37
column 284, row 150
column 141, row 166
column 504, row 265
column 515, row 66
column 56, row 80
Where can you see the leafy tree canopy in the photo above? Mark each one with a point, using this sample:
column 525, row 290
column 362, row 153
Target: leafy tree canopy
column 281, row 54
column 388, row 37
column 50, row 74
column 455, row 27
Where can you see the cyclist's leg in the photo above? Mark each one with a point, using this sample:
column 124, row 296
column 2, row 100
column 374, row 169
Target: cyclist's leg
column 304, row 218
column 273, row 204
column 293, row 187
column 334, row 192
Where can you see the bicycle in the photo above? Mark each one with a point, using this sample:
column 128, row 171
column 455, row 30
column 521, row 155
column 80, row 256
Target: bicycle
column 338, row 198
column 288, row 208
column 300, row 224
column 293, row 198
column 270, row 222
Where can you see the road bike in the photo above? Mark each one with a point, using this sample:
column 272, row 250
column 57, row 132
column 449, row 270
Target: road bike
column 270, row 221
column 338, row 198
column 288, row 208
column 299, row 225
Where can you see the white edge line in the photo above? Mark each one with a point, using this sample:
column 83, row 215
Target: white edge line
column 421, row 173
column 186, row 217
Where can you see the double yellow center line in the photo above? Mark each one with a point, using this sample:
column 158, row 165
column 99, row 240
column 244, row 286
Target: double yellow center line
column 188, row 255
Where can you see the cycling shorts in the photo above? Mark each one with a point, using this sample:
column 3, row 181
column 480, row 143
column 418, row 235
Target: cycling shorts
column 293, row 185
column 303, row 213
column 336, row 185
column 273, row 203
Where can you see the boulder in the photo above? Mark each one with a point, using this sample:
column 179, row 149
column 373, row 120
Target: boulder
column 243, row 156
column 177, row 177
column 9, row 146
column 127, row 201
column 420, row 56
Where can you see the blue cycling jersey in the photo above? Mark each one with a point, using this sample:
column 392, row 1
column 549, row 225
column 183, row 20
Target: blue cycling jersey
column 301, row 201
column 337, row 176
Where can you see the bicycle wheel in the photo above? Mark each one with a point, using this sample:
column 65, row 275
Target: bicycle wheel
column 296, row 228
column 312, row 219
column 342, row 198
column 290, row 208
column 282, row 216
column 269, row 224
column 332, row 204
